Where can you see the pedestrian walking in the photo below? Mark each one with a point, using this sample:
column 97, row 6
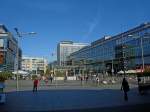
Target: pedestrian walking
column 65, row 78
column 139, row 79
column 46, row 81
column 35, row 84
column 97, row 80
column 125, row 88
column 81, row 79
column 86, row 78
column 51, row 78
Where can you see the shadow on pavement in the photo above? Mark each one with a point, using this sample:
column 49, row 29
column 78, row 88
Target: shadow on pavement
column 74, row 100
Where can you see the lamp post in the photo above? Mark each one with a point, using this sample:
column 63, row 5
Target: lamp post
column 112, row 67
column 141, row 45
column 19, row 35
column 53, row 68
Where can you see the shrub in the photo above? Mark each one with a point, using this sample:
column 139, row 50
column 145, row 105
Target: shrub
column 59, row 73
column 5, row 75
column 34, row 77
column 145, row 73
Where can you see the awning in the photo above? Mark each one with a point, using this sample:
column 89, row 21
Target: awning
column 21, row 72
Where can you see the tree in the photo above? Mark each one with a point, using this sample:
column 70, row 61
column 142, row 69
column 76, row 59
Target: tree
column 5, row 75
column 34, row 77
column 60, row 73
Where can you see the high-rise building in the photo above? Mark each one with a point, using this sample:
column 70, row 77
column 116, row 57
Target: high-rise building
column 8, row 50
column 35, row 65
column 65, row 48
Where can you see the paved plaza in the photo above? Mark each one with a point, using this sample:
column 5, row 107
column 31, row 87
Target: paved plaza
column 73, row 84
column 73, row 98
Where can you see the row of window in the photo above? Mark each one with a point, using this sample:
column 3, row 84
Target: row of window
column 107, row 50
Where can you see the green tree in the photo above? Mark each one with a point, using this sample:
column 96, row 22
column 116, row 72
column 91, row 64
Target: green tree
column 5, row 75
column 59, row 73
column 34, row 77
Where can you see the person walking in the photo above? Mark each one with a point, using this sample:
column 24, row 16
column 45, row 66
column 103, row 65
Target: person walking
column 81, row 79
column 86, row 78
column 35, row 84
column 97, row 80
column 46, row 81
column 51, row 78
column 125, row 88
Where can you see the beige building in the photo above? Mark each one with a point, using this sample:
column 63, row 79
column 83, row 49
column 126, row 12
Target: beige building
column 36, row 65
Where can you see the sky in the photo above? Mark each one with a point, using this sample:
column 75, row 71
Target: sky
column 77, row 20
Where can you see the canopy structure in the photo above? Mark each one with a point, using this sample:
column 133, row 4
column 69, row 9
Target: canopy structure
column 121, row 72
column 128, row 71
column 20, row 72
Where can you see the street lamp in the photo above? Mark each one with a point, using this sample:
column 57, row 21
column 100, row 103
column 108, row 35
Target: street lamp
column 146, row 35
column 112, row 67
column 17, row 54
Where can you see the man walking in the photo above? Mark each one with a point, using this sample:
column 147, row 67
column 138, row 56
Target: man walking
column 125, row 87
column 35, row 84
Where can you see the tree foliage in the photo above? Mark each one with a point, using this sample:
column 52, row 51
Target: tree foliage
column 60, row 73
column 34, row 77
column 145, row 73
column 5, row 75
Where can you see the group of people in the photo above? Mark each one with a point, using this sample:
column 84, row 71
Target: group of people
column 125, row 86
column 45, row 79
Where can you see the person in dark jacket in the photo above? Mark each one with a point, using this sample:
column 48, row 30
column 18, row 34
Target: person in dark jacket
column 125, row 88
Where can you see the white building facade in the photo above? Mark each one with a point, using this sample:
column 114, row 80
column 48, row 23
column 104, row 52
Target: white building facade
column 35, row 65
column 65, row 48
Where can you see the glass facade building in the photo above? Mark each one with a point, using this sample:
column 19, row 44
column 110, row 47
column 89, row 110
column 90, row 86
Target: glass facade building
column 8, row 50
column 112, row 54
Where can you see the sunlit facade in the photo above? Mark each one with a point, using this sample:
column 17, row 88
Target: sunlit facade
column 35, row 65
column 65, row 48
column 112, row 54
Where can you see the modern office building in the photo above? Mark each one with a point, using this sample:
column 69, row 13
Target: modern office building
column 8, row 50
column 125, row 51
column 65, row 48
column 34, row 65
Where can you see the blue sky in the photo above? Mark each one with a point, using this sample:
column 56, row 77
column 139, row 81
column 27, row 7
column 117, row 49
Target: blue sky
column 76, row 20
